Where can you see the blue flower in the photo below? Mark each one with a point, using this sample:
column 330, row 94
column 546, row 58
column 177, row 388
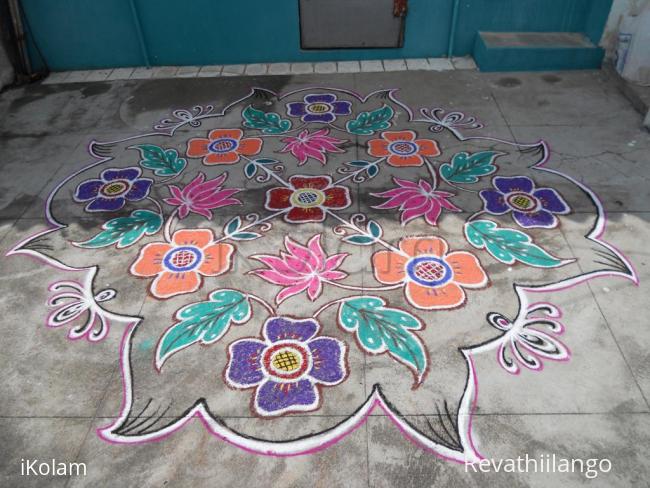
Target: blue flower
column 111, row 191
column 319, row 108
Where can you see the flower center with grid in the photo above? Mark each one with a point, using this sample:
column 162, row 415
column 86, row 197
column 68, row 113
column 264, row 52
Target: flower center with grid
column 222, row 145
column 286, row 361
column 522, row 202
column 307, row 198
column 114, row 188
column 428, row 271
column 402, row 148
column 183, row 259
column 319, row 108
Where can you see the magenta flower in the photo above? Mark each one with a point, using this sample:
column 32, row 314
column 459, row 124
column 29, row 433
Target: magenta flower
column 417, row 200
column 200, row 196
column 302, row 268
column 313, row 145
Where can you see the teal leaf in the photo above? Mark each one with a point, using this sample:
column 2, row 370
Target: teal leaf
column 162, row 162
column 468, row 168
column 266, row 161
column 267, row 122
column 367, row 123
column 382, row 329
column 245, row 236
column 375, row 229
column 205, row 322
column 372, row 171
column 249, row 170
column 359, row 240
column 232, row 226
column 508, row 245
column 126, row 230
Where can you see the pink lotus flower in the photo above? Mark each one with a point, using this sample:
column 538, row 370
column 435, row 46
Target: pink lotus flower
column 417, row 200
column 200, row 196
column 302, row 268
column 313, row 145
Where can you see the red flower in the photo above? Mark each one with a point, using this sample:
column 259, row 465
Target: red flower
column 223, row 146
column 308, row 198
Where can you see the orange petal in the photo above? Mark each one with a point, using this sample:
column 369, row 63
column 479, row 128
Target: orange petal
column 149, row 261
column 427, row 147
column 431, row 246
column 389, row 267
column 412, row 160
column 168, row 284
column 216, row 259
column 401, row 135
column 225, row 134
column 447, row 296
column 467, row 269
column 193, row 237
column 197, row 148
column 250, row 146
column 378, row 148
column 221, row 158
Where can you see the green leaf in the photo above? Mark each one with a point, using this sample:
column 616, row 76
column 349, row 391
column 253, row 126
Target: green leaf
column 126, row 230
column 162, row 162
column 204, row 322
column 367, row 123
column 508, row 245
column 383, row 329
column 468, row 168
column 268, row 122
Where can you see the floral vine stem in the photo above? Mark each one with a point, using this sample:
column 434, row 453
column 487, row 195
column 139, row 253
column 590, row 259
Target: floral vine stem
column 352, row 226
column 167, row 233
column 360, row 170
column 282, row 181
column 290, row 131
column 158, row 206
column 432, row 172
column 326, row 306
column 269, row 308
column 254, row 223
column 364, row 288
column 475, row 215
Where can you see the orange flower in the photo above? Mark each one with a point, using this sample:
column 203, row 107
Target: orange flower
column 433, row 278
column 179, row 266
column 402, row 148
column 223, row 146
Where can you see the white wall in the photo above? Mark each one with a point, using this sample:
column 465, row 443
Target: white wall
column 620, row 10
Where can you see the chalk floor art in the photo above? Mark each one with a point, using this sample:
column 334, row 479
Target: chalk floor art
column 331, row 253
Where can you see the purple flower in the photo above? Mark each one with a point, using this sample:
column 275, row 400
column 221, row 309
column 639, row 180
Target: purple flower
column 113, row 188
column 530, row 206
column 287, row 366
column 319, row 108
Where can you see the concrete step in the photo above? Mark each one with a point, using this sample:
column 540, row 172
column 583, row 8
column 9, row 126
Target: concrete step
column 535, row 51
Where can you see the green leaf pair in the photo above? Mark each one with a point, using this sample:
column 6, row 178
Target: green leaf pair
column 267, row 122
column 468, row 168
column 367, row 123
column 163, row 162
column 126, row 231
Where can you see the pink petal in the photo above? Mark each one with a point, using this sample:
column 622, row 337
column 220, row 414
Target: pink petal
column 425, row 185
column 335, row 261
column 183, row 211
column 414, row 202
column 413, row 213
column 333, row 275
column 277, row 264
column 432, row 215
column 274, row 277
column 315, row 288
column 175, row 192
column 202, row 211
column 173, row 201
column 291, row 291
column 317, row 252
column 405, row 183
column 301, row 252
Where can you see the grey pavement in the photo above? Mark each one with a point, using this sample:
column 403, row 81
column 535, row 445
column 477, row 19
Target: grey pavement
column 57, row 393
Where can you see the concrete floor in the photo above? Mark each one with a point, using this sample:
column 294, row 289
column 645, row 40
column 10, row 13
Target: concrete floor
column 64, row 400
